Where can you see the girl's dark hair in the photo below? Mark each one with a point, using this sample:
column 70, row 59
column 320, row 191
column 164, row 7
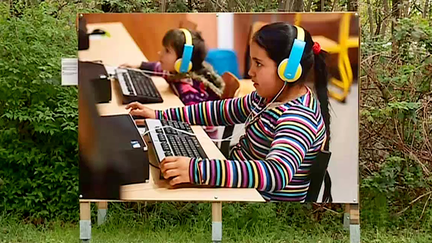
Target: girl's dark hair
column 277, row 39
column 175, row 38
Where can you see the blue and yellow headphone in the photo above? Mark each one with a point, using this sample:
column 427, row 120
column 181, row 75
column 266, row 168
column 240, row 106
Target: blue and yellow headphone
column 290, row 69
column 184, row 64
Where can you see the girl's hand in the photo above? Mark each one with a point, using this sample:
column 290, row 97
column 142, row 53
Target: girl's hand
column 176, row 169
column 129, row 65
column 138, row 109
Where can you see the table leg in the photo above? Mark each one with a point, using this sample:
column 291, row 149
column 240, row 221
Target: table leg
column 102, row 211
column 346, row 218
column 354, row 226
column 217, row 222
column 85, row 222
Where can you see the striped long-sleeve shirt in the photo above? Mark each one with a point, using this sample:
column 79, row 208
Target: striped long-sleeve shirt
column 275, row 153
column 190, row 88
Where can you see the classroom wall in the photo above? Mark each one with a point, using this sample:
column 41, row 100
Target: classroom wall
column 207, row 25
column 148, row 35
column 328, row 27
column 148, row 29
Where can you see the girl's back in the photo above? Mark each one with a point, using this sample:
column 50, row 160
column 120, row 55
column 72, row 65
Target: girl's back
column 198, row 86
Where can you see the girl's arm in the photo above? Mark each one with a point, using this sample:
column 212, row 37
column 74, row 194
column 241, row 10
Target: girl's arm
column 213, row 113
column 155, row 69
column 296, row 132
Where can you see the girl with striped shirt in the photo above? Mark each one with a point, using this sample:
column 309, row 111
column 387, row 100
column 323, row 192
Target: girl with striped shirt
column 286, row 123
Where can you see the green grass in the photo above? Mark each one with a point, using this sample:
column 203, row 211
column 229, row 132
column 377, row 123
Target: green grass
column 189, row 222
column 13, row 231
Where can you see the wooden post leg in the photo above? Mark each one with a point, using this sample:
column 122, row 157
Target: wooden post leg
column 354, row 223
column 85, row 222
column 217, row 222
column 346, row 218
column 102, row 211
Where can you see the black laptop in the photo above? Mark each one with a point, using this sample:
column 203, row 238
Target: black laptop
column 112, row 152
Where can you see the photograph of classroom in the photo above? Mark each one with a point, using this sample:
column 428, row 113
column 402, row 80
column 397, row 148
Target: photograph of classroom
column 215, row 121
column 129, row 43
column 130, row 38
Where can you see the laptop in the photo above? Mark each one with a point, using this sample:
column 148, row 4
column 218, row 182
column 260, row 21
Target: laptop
column 137, row 86
column 112, row 152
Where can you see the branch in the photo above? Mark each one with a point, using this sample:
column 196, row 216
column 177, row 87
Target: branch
column 334, row 5
column 424, row 207
column 384, row 91
column 426, row 137
column 372, row 56
column 220, row 6
column 411, row 154
column 309, row 5
column 241, row 5
column 55, row 13
column 321, row 206
column 415, row 7
column 415, row 200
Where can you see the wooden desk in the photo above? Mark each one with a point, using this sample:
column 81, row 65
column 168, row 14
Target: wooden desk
column 115, row 50
column 246, row 87
column 118, row 49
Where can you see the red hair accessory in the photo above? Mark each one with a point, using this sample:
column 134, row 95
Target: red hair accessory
column 316, row 48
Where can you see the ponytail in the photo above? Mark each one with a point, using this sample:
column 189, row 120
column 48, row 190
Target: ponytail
column 321, row 82
column 323, row 158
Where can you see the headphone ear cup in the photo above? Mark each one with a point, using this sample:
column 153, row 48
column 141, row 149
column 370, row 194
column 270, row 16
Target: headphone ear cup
column 281, row 71
column 190, row 66
column 178, row 63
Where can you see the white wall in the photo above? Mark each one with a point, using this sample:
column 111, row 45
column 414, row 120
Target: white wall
column 225, row 30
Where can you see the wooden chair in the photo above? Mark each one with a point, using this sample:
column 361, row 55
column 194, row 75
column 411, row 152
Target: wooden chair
column 232, row 85
column 232, row 89
column 345, row 42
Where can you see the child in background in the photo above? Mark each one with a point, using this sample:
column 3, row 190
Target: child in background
column 286, row 123
column 200, row 84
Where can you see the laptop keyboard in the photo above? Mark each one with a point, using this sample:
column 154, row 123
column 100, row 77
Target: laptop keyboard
column 137, row 86
column 143, row 84
column 169, row 142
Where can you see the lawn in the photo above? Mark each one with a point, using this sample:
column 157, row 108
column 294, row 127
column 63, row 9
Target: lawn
column 255, row 223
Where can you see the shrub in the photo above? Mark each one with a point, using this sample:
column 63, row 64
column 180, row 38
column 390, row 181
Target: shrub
column 395, row 125
column 38, row 117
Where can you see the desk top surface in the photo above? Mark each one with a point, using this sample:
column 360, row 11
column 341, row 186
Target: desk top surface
column 120, row 48
column 117, row 49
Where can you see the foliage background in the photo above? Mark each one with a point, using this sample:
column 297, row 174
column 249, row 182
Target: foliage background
column 38, row 117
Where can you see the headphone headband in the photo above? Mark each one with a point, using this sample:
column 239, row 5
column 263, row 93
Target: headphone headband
column 184, row 64
column 188, row 36
column 289, row 69
column 300, row 33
